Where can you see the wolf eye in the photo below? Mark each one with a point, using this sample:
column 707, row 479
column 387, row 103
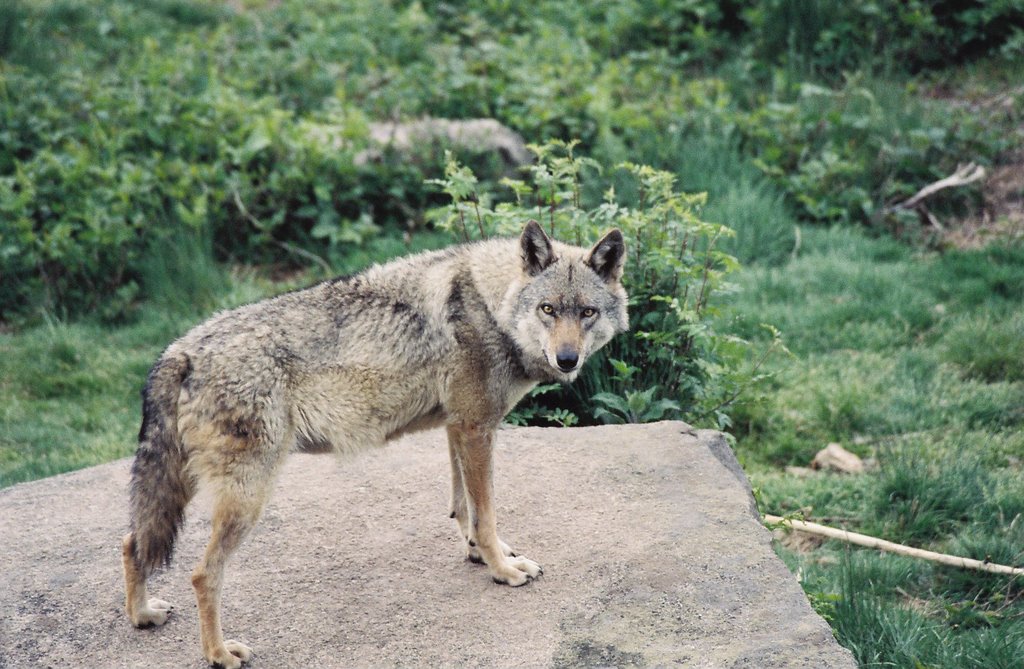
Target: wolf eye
column 547, row 308
column 589, row 312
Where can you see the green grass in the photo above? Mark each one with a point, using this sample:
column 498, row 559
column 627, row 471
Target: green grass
column 70, row 394
column 739, row 195
column 911, row 359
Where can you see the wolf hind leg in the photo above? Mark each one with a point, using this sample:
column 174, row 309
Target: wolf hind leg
column 234, row 514
column 240, row 474
column 459, row 511
column 143, row 611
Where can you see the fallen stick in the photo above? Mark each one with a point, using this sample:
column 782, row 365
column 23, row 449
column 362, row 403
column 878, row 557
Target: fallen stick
column 899, row 549
column 964, row 174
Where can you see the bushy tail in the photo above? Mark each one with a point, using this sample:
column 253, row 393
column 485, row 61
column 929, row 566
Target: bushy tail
column 160, row 486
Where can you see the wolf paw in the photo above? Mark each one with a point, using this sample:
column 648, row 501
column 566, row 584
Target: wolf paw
column 231, row 656
column 473, row 552
column 153, row 614
column 516, row 571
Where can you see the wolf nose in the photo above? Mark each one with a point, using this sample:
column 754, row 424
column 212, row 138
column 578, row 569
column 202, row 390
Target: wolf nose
column 567, row 360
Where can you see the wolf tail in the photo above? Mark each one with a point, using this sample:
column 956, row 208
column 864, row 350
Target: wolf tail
column 161, row 485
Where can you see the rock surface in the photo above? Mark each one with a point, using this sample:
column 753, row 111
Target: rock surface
column 652, row 552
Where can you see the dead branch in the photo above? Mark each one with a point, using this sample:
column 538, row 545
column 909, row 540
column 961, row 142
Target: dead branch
column 284, row 245
column 964, row 174
column 899, row 549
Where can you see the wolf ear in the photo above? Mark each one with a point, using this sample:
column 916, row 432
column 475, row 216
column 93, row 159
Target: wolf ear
column 608, row 256
column 536, row 249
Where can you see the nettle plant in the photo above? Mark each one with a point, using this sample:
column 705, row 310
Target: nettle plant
column 673, row 363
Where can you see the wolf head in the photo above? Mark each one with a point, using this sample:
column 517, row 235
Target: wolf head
column 570, row 303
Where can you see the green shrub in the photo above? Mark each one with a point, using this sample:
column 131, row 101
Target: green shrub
column 184, row 120
column 842, row 154
column 45, row 34
column 121, row 122
column 101, row 169
column 673, row 362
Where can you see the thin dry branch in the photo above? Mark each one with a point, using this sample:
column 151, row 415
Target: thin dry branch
column 964, row 174
column 899, row 549
column 284, row 245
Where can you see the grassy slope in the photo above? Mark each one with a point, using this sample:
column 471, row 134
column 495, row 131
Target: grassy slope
column 69, row 392
column 917, row 361
column 70, row 395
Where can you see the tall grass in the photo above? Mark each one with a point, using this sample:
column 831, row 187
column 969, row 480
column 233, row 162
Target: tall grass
column 871, row 602
column 70, row 394
column 990, row 349
column 180, row 274
column 739, row 194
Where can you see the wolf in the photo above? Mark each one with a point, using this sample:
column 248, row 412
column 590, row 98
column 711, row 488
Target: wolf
column 454, row 337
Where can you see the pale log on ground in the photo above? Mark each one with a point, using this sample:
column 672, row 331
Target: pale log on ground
column 891, row 547
column 652, row 549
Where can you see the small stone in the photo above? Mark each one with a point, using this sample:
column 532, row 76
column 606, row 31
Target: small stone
column 837, row 458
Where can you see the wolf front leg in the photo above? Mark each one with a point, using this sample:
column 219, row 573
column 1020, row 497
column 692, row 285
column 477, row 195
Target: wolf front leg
column 472, row 450
column 459, row 509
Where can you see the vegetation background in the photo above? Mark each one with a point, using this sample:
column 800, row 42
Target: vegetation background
column 161, row 159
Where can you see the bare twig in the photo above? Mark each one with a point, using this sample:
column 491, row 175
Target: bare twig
column 309, row 255
column 462, row 220
column 929, row 217
column 899, row 549
column 964, row 174
column 702, row 297
column 551, row 209
column 479, row 220
column 284, row 245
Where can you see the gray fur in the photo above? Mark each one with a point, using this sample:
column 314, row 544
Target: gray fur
column 452, row 337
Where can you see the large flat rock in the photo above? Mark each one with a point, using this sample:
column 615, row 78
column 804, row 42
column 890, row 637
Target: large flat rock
column 652, row 553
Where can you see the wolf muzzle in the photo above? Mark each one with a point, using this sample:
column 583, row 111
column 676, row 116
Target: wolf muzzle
column 567, row 358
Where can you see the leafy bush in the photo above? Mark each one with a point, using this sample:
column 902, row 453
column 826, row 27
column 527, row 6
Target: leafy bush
column 127, row 166
column 45, row 35
column 126, row 123
column 843, row 154
column 96, row 170
column 160, row 130
column 673, row 362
